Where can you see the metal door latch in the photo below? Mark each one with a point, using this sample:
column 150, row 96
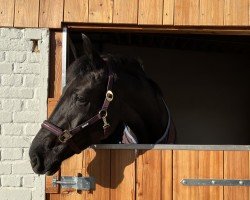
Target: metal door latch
column 78, row 183
column 215, row 182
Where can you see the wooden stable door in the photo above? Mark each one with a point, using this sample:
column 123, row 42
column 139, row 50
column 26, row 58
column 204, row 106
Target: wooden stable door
column 155, row 174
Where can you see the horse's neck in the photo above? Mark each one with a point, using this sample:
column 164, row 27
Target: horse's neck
column 149, row 120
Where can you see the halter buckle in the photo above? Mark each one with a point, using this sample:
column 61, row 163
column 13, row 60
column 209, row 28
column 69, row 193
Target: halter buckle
column 109, row 95
column 65, row 136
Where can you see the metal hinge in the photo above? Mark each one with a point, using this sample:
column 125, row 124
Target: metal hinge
column 215, row 182
column 78, row 183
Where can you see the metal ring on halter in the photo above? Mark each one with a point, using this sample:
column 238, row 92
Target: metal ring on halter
column 109, row 95
column 103, row 113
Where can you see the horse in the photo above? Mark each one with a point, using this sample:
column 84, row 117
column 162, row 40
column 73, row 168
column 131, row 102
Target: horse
column 107, row 99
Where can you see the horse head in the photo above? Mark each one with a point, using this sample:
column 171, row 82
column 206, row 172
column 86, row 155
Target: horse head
column 102, row 95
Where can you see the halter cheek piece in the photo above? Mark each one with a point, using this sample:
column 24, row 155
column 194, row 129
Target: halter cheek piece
column 65, row 136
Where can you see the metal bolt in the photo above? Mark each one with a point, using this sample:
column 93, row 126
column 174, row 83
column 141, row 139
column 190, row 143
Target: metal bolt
column 213, row 182
column 241, row 182
column 184, row 182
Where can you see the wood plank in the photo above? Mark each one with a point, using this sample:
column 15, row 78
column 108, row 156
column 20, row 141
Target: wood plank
column 72, row 167
column 123, row 175
column 185, row 165
column 101, row 11
column 186, row 12
column 210, row 166
column 150, row 12
column 55, row 70
column 53, row 197
column 125, row 11
column 26, row 13
column 51, row 13
column 168, row 12
column 211, row 12
column 236, row 12
column 98, row 166
column 49, row 188
column 52, row 102
column 148, row 175
column 7, row 10
column 236, row 166
column 76, row 11
column 167, row 175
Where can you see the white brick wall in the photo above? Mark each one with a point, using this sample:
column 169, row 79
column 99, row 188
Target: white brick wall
column 23, row 106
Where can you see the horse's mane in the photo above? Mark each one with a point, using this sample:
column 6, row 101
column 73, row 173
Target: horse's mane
column 129, row 65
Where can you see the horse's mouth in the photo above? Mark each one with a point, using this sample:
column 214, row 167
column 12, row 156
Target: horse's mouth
column 53, row 169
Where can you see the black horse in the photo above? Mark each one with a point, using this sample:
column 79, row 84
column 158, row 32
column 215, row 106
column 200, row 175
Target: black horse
column 107, row 99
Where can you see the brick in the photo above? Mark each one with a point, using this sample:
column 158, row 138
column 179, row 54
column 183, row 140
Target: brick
column 26, row 154
column 14, row 142
column 5, row 45
column 11, row 33
column 32, row 129
column 22, row 68
column 34, row 34
column 29, row 181
column 5, row 169
column 32, row 105
column 11, row 181
column 15, row 92
column 26, row 116
column 16, row 57
column 2, row 56
column 12, row 104
column 23, row 167
column 5, row 117
column 12, row 154
column 12, row 80
column 33, row 57
column 12, row 129
column 19, row 45
column 17, row 194
column 6, row 68
column 32, row 80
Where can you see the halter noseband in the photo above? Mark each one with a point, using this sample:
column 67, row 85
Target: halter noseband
column 64, row 136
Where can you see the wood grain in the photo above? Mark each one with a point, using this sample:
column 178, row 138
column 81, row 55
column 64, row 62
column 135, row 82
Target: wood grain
column 167, row 175
column 210, row 166
column 211, row 12
column 236, row 166
column 186, row 12
column 26, row 13
column 150, row 12
column 125, row 12
column 236, row 12
column 168, row 12
column 148, row 175
column 76, row 11
column 7, row 12
column 49, row 188
column 101, row 11
column 55, row 70
column 123, row 175
column 185, row 165
column 98, row 166
column 51, row 13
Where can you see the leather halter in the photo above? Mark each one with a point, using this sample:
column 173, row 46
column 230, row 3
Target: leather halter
column 65, row 136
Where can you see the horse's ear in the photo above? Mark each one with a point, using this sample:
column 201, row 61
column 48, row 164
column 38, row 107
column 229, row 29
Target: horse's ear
column 87, row 47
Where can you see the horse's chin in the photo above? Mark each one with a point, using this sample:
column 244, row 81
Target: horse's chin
column 53, row 169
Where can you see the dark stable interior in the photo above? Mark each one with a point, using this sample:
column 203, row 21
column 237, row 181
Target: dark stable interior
column 205, row 79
